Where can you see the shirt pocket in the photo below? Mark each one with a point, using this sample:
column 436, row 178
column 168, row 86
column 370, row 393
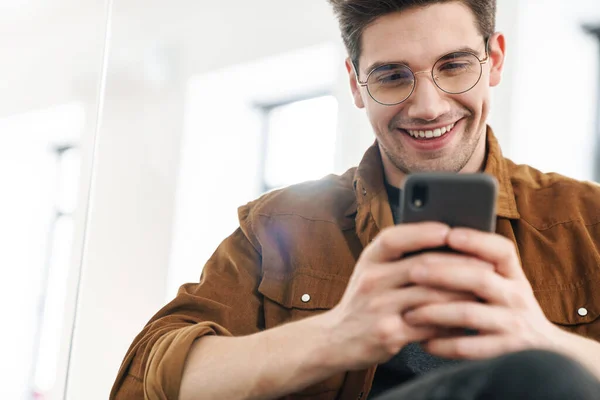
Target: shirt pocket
column 306, row 293
column 575, row 308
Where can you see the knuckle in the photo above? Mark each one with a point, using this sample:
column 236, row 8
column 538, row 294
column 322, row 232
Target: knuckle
column 376, row 305
column 393, row 348
column 428, row 259
column 517, row 299
column 386, row 331
column 507, row 247
column 517, row 324
column 482, row 264
column 385, row 240
column 469, row 317
column 516, row 296
column 368, row 282
column 461, row 350
column 365, row 286
column 486, row 283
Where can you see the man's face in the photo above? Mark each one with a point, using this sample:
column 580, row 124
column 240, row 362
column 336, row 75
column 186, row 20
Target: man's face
column 418, row 38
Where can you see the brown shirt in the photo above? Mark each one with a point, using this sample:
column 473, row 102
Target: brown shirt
column 306, row 239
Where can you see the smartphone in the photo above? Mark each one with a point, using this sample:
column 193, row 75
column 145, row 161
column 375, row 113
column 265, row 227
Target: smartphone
column 458, row 200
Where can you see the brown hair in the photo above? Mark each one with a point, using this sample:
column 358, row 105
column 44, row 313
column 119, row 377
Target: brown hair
column 356, row 15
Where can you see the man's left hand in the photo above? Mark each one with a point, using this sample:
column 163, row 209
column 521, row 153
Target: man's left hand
column 507, row 319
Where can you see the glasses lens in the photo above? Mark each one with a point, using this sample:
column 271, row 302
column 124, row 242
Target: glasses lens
column 391, row 84
column 457, row 72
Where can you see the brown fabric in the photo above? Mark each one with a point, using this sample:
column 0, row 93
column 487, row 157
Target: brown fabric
column 306, row 239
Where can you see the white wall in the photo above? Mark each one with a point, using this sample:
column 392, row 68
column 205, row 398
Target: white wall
column 128, row 234
column 51, row 63
column 554, row 93
column 156, row 49
column 151, row 60
column 28, row 173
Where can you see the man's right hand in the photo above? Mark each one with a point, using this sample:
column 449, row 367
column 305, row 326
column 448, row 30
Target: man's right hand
column 367, row 326
column 364, row 329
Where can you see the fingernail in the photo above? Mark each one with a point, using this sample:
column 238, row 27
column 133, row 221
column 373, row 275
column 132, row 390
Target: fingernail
column 445, row 231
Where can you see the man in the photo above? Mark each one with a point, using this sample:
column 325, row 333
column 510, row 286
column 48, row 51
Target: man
column 312, row 298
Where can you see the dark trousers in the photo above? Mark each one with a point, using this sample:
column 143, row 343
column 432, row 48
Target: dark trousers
column 525, row 375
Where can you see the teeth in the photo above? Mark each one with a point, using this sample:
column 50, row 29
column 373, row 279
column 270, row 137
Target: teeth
column 431, row 134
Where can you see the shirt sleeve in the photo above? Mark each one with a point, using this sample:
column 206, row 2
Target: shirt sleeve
column 225, row 302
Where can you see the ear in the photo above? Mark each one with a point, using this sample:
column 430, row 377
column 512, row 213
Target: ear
column 356, row 92
column 497, row 54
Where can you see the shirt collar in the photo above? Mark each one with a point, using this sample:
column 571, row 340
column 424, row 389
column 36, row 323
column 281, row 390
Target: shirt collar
column 369, row 181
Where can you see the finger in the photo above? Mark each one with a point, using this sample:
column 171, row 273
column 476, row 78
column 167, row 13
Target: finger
column 472, row 347
column 466, row 275
column 490, row 247
column 471, row 315
column 405, row 299
column 393, row 242
column 401, row 273
column 419, row 334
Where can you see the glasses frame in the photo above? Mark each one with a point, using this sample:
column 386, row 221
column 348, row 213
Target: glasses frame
column 366, row 82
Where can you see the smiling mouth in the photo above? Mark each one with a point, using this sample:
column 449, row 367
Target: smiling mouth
column 430, row 134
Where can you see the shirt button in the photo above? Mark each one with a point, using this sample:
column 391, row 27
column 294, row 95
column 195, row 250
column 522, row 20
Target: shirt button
column 582, row 312
column 306, row 298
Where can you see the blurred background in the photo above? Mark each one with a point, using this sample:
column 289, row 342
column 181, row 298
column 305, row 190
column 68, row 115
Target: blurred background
column 130, row 132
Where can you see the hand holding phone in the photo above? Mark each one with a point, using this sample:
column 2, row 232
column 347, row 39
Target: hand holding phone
column 457, row 200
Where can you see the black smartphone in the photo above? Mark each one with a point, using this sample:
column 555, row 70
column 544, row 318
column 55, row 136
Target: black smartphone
column 458, row 200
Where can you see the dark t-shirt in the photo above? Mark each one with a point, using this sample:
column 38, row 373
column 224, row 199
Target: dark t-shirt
column 412, row 360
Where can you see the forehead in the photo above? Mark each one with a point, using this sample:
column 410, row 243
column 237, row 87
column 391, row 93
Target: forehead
column 419, row 35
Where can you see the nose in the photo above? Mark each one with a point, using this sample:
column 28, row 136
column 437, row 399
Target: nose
column 427, row 101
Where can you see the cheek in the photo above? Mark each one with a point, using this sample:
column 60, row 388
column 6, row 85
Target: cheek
column 381, row 116
column 476, row 101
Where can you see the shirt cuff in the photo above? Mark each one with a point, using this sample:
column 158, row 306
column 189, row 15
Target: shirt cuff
column 167, row 358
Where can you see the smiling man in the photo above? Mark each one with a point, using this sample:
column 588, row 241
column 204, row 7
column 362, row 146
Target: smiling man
column 312, row 297
column 424, row 77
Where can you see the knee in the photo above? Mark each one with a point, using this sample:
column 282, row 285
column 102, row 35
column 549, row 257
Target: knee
column 537, row 363
column 541, row 374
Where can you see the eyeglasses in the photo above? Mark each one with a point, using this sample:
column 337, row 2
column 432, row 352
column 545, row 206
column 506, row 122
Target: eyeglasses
column 453, row 73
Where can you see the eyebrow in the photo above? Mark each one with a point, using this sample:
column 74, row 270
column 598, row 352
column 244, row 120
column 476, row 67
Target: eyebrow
column 465, row 49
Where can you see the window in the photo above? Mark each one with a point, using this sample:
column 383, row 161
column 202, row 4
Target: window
column 54, row 289
column 39, row 169
column 299, row 141
column 596, row 32
column 244, row 136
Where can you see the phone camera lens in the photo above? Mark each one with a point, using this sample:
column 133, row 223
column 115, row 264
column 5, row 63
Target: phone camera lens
column 419, row 196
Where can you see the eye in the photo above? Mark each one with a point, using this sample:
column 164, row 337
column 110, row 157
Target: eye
column 454, row 66
column 390, row 78
column 391, row 75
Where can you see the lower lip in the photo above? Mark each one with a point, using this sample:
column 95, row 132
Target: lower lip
column 433, row 143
